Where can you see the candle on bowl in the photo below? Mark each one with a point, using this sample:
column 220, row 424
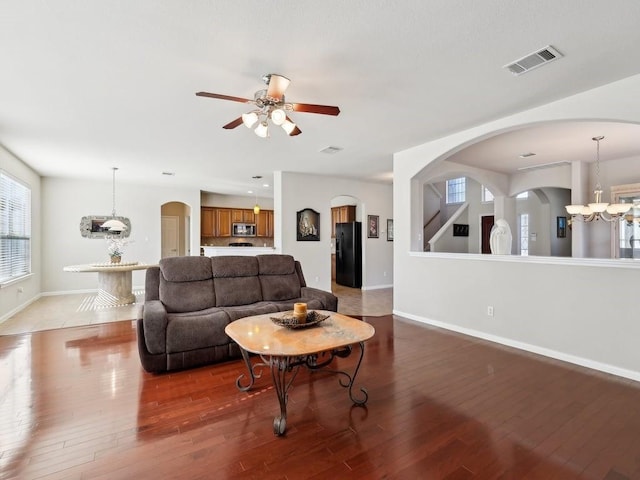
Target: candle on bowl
column 300, row 312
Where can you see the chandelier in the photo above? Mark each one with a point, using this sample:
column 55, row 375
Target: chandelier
column 113, row 224
column 599, row 209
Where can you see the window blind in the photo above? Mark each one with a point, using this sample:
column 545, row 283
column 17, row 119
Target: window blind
column 15, row 228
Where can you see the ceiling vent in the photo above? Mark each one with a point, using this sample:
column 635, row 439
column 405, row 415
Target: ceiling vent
column 331, row 150
column 533, row 60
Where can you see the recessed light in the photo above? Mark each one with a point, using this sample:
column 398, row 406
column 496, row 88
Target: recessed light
column 265, row 185
column 249, row 191
column 527, row 155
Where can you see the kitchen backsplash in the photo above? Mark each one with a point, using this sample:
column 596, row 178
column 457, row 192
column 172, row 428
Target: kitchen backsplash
column 225, row 241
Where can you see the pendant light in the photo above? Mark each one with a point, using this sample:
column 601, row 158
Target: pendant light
column 113, row 224
column 256, row 207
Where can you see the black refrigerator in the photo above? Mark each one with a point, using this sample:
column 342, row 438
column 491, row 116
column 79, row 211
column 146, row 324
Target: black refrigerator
column 349, row 254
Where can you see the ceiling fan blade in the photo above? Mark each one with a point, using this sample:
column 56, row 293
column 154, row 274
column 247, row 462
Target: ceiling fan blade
column 309, row 108
column 277, row 86
column 233, row 124
column 224, row 97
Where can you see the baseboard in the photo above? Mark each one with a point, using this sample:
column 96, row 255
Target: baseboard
column 69, row 292
column 19, row 308
column 377, row 287
column 546, row 352
column 91, row 291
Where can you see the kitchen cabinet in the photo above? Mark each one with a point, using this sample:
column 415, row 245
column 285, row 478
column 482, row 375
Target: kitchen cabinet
column 207, row 222
column 223, row 222
column 264, row 223
column 342, row 214
column 242, row 215
column 248, row 216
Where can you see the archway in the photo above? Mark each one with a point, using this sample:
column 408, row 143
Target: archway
column 175, row 229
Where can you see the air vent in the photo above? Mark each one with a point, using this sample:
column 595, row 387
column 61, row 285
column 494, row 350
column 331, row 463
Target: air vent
column 545, row 165
column 533, row 60
column 331, row 150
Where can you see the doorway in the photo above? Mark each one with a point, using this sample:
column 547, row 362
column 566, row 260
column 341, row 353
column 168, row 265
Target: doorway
column 486, row 222
column 175, row 229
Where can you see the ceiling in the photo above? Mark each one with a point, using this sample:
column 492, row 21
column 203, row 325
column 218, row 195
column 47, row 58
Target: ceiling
column 87, row 85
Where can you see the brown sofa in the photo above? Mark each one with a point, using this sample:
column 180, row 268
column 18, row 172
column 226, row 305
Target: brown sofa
column 190, row 300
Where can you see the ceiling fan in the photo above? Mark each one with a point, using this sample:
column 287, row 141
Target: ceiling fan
column 271, row 105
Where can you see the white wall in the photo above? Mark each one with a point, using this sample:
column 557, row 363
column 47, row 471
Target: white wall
column 17, row 295
column 561, row 307
column 234, row 201
column 66, row 201
column 295, row 191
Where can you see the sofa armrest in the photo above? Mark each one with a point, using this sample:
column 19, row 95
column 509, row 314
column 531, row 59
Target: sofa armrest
column 154, row 322
column 328, row 299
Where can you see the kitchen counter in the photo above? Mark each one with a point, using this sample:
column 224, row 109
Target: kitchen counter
column 211, row 251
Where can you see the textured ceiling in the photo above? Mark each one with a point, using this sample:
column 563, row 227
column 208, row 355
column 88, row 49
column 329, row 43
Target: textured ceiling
column 87, row 85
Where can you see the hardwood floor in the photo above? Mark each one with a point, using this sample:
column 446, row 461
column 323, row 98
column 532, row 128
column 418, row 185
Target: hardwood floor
column 75, row 404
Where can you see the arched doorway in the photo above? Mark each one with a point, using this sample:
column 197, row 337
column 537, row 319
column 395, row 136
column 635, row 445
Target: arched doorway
column 175, row 229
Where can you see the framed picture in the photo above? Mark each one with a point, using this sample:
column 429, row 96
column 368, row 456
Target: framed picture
column 561, row 227
column 389, row 229
column 373, row 226
column 308, row 222
column 460, row 230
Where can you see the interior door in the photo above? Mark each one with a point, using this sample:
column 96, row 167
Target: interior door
column 170, row 241
column 487, row 225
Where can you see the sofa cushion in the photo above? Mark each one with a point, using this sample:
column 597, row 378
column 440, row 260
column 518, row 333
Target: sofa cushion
column 278, row 277
column 185, row 269
column 235, row 280
column 234, row 266
column 193, row 330
column 242, row 311
column 186, row 284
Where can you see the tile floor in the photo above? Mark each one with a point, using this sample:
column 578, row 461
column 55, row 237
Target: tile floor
column 72, row 310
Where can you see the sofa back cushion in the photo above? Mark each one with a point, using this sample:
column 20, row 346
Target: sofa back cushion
column 278, row 277
column 186, row 284
column 235, row 279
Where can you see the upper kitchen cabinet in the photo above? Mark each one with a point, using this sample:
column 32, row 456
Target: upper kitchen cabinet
column 264, row 223
column 243, row 216
column 207, row 222
column 223, row 222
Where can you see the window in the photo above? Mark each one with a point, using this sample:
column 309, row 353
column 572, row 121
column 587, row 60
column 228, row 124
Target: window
column 456, row 190
column 487, row 196
column 524, row 234
column 523, row 195
column 15, row 228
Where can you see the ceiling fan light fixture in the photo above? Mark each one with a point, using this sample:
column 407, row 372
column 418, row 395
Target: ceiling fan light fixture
column 288, row 126
column 262, row 130
column 249, row 119
column 278, row 116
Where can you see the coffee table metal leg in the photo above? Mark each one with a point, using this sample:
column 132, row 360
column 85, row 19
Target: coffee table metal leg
column 352, row 379
column 280, row 368
column 252, row 372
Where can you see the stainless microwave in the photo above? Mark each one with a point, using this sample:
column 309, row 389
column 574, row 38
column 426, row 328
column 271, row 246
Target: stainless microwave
column 244, row 230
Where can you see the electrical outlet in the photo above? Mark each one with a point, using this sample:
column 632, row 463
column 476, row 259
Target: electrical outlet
column 490, row 310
